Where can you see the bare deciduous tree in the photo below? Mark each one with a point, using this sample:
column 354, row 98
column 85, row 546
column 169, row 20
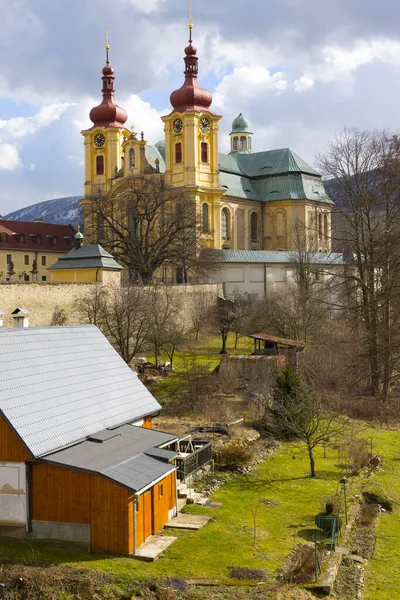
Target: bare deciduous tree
column 364, row 172
column 145, row 223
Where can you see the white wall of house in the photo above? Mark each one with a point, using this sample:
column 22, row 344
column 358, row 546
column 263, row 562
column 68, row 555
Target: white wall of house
column 12, row 492
column 241, row 279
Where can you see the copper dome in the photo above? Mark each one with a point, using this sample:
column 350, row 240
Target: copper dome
column 108, row 114
column 191, row 96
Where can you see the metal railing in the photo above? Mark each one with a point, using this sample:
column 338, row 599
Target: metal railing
column 199, row 454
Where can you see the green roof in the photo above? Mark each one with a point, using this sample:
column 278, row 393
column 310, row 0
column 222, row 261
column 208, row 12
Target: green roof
column 92, row 256
column 271, row 175
column 241, row 124
column 277, row 257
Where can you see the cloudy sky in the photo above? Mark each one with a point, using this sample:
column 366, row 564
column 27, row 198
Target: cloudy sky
column 300, row 70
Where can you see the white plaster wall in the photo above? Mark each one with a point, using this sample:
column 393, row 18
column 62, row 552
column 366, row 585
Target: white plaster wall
column 12, row 492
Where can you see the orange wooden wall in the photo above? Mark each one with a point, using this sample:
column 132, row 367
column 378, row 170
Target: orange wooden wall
column 148, row 423
column 11, row 448
column 152, row 513
column 65, row 495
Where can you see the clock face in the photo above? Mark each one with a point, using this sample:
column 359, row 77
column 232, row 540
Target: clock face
column 99, row 140
column 177, row 125
column 204, row 124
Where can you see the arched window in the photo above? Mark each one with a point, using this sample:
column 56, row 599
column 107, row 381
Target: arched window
column 225, row 224
column 243, row 142
column 326, row 225
column 249, row 143
column 320, row 225
column 131, row 157
column 280, row 223
column 205, row 218
column 178, row 152
column 235, row 143
column 254, row 227
column 204, row 152
column 100, row 165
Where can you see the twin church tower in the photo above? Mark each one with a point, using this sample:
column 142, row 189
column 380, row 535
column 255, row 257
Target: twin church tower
column 245, row 200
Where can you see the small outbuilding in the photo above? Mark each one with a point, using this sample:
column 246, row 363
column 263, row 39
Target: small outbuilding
column 78, row 457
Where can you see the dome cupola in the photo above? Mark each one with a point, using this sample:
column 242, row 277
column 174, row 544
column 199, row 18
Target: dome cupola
column 108, row 114
column 191, row 96
column 241, row 135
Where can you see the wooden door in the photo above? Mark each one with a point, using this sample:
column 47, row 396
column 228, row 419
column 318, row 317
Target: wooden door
column 147, row 515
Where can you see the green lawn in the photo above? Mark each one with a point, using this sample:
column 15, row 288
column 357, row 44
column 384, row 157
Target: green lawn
column 228, row 539
column 382, row 580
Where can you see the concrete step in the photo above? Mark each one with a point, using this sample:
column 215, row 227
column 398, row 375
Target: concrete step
column 194, row 498
column 181, row 503
column 153, row 547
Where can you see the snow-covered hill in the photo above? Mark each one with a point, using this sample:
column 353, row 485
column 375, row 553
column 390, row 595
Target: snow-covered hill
column 64, row 211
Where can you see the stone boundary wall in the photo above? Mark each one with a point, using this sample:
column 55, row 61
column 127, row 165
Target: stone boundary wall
column 42, row 298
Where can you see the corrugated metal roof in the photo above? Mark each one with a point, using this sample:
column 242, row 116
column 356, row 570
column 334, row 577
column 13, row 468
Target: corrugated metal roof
column 90, row 256
column 130, row 457
column 62, row 384
column 277, row 256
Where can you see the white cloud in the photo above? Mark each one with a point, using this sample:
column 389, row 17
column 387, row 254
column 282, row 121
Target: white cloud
column 245, row 84
column 337, row 64
column 146, row 6
column 19, row 127
column 9, row 157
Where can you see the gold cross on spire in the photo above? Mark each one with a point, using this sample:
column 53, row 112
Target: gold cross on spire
column 107, row 45
column 190, row 16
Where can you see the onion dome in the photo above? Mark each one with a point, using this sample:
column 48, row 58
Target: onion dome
column 191, row 96
column 108, row 114
column 241, row 125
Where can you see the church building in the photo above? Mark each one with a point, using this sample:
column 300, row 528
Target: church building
column 246, row 201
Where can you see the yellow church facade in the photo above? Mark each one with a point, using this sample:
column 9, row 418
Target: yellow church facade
column 245, row 200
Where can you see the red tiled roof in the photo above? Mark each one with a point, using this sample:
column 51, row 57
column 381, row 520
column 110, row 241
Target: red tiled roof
column 47, row 231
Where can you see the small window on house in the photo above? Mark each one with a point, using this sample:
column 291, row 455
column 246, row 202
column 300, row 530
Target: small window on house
column 243, row 142
column 178, row 152
column 26, row 277
column 26, row 259
column 204, row 152
column 4, row 237
column 100, row 165
column 235, row 143
column 254, row 227
column 38, row 239
column 161, row 490
column 131, row 157
column 54, row 240
column 21, row 238
column 225, row 224
column 44, row 261
column 205, row 218
column 9, row 259
column 44, row 278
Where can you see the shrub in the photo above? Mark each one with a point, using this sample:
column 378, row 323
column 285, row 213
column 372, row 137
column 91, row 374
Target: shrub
column 359, row 455
column 234, row 455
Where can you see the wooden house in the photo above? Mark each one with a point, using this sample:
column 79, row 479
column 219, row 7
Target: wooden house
column 78, row 457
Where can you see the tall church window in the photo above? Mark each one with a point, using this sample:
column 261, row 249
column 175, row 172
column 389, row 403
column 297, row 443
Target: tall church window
column 280, row 223
column 249, row 143
column 100, row 165
column 235, row 143
column 205, row 218
column 326, row 226
column 243, row 142
column 204, row 152
column 178, row 152
column 254, row 227
column 319, row 225
column 225, row 224
column 131, row 157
